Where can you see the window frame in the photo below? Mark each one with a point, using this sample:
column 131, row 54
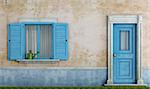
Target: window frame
column 38, row 42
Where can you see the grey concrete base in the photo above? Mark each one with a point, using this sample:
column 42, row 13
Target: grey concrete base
column 52, row 77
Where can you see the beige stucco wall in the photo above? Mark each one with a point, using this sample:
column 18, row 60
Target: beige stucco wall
column 87, row 21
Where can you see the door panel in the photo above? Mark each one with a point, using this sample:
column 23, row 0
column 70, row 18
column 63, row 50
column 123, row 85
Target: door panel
column 124, row 53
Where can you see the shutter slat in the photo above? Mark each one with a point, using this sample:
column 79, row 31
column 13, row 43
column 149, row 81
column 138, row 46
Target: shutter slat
column 60, row 41
column 16, row 42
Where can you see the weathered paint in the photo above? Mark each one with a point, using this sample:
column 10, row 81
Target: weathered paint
column 52, row 77
column 146, row 76
column 87, row 27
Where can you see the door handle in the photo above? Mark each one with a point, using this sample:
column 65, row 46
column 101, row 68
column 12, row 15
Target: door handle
column 114, row 55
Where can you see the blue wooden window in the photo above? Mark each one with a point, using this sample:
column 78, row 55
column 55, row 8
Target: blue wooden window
column 50, row 39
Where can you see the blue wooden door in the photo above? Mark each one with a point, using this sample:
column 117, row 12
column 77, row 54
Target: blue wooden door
column 124, row 53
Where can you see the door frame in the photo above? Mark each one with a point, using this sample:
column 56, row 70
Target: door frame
column 133, row 19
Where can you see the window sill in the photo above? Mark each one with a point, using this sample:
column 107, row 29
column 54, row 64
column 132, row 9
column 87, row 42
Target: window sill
column 38, row 60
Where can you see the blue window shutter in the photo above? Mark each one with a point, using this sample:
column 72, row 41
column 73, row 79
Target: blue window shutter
column 60, row 41
column 16, row 41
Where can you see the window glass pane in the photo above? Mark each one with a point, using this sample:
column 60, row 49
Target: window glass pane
column 45, row 41
column 45, row 45
column 31, row 39
column 124, row 40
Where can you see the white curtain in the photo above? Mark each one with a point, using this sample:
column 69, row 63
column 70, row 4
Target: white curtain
column 45, row 41
column 31, row 38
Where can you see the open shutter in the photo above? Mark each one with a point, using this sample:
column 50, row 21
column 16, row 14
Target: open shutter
column 60, row 41
column 16, row 41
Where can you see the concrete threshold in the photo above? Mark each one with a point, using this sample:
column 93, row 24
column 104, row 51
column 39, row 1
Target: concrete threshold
column 125, row 85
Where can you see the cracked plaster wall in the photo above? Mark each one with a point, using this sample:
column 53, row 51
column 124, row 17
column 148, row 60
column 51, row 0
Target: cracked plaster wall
column 87, row 27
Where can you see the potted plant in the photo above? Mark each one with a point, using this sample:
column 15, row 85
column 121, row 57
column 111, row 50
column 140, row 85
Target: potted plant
column 31, row 55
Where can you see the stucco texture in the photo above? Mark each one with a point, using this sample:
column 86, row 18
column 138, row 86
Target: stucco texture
column 87, row 21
